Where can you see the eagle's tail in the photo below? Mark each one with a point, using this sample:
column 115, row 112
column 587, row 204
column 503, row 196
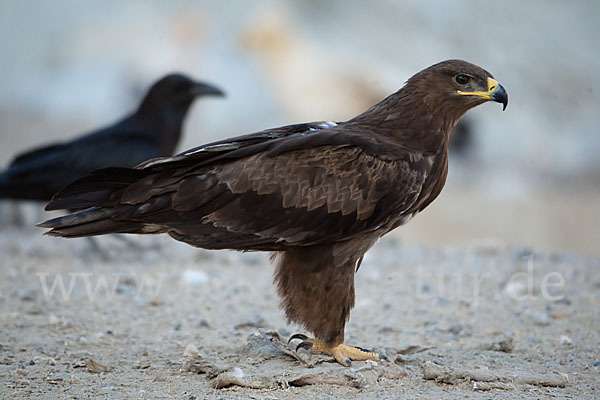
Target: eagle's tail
column 92, row 195
column 95, row 189
column 90, row 222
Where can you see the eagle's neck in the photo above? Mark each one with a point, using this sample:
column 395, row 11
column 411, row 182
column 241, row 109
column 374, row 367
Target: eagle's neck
column 409, row 118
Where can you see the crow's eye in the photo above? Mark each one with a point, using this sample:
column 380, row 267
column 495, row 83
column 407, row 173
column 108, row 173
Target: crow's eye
column 462, row 79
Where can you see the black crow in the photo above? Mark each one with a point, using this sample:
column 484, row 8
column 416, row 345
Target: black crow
column 153, row 130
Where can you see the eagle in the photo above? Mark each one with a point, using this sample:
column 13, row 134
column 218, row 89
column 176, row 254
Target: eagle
column 316, row 195
column 153, row 130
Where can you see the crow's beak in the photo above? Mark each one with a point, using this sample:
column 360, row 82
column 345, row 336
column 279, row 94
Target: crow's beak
column 204, row 89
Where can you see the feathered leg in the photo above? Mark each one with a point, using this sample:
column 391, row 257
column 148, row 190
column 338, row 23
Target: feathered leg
column 316, row 288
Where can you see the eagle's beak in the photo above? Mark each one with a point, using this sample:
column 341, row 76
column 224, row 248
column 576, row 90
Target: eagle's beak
column 495, row 93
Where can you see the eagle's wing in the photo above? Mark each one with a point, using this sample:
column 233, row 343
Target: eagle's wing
column 261, row 193
column 237, row 147
column 93, row 189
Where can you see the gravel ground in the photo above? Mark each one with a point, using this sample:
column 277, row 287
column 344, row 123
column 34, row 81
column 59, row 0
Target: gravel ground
column 153, row 318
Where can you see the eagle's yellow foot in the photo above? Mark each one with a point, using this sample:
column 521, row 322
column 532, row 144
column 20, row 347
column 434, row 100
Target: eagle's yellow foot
column 343, row 353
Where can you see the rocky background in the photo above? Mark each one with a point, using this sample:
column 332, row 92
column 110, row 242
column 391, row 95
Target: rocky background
column 521, row 201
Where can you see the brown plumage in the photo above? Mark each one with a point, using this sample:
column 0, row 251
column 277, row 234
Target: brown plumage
column 317, row 195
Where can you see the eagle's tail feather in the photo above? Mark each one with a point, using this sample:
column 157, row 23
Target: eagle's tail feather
column 94, row 189
column 90, row 222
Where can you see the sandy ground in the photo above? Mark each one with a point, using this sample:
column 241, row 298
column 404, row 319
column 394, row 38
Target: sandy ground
column 482, row 322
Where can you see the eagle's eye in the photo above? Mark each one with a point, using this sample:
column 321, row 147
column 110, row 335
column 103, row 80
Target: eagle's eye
column 462, row 79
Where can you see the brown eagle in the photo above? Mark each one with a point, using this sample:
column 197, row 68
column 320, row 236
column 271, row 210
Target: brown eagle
column 317, row 195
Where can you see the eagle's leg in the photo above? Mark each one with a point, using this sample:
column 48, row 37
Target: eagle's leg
column 343, row 353
column 316, row 287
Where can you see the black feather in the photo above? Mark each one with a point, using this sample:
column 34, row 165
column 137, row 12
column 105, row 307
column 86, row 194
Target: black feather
column 152, row 131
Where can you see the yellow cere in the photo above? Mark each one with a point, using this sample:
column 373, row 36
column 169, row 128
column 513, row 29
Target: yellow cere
column 492, row 86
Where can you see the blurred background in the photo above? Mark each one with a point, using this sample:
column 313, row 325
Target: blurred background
column 528, row 177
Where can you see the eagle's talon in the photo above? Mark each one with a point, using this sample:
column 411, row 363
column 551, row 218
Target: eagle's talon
column 300, row 336
column 381, row 356
column 304, row 345
column 343, row 353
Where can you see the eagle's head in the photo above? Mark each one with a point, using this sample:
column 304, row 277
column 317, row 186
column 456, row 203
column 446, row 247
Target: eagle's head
column 456, row 86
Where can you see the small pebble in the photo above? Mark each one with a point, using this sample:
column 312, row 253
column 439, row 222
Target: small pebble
column 238, row 373
column 123, row 289
column 540, row 319
column 455, row 329
column 26, row 295
column 31, row 362
column 194, row 277
column 203, row 323
column 597, row 364
column 522, row 253
column 177, row 326
column 563, row 300
column 95, row 367
column 565, row 340
column 515, row 289
column 284, row 332
column 255, row 322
